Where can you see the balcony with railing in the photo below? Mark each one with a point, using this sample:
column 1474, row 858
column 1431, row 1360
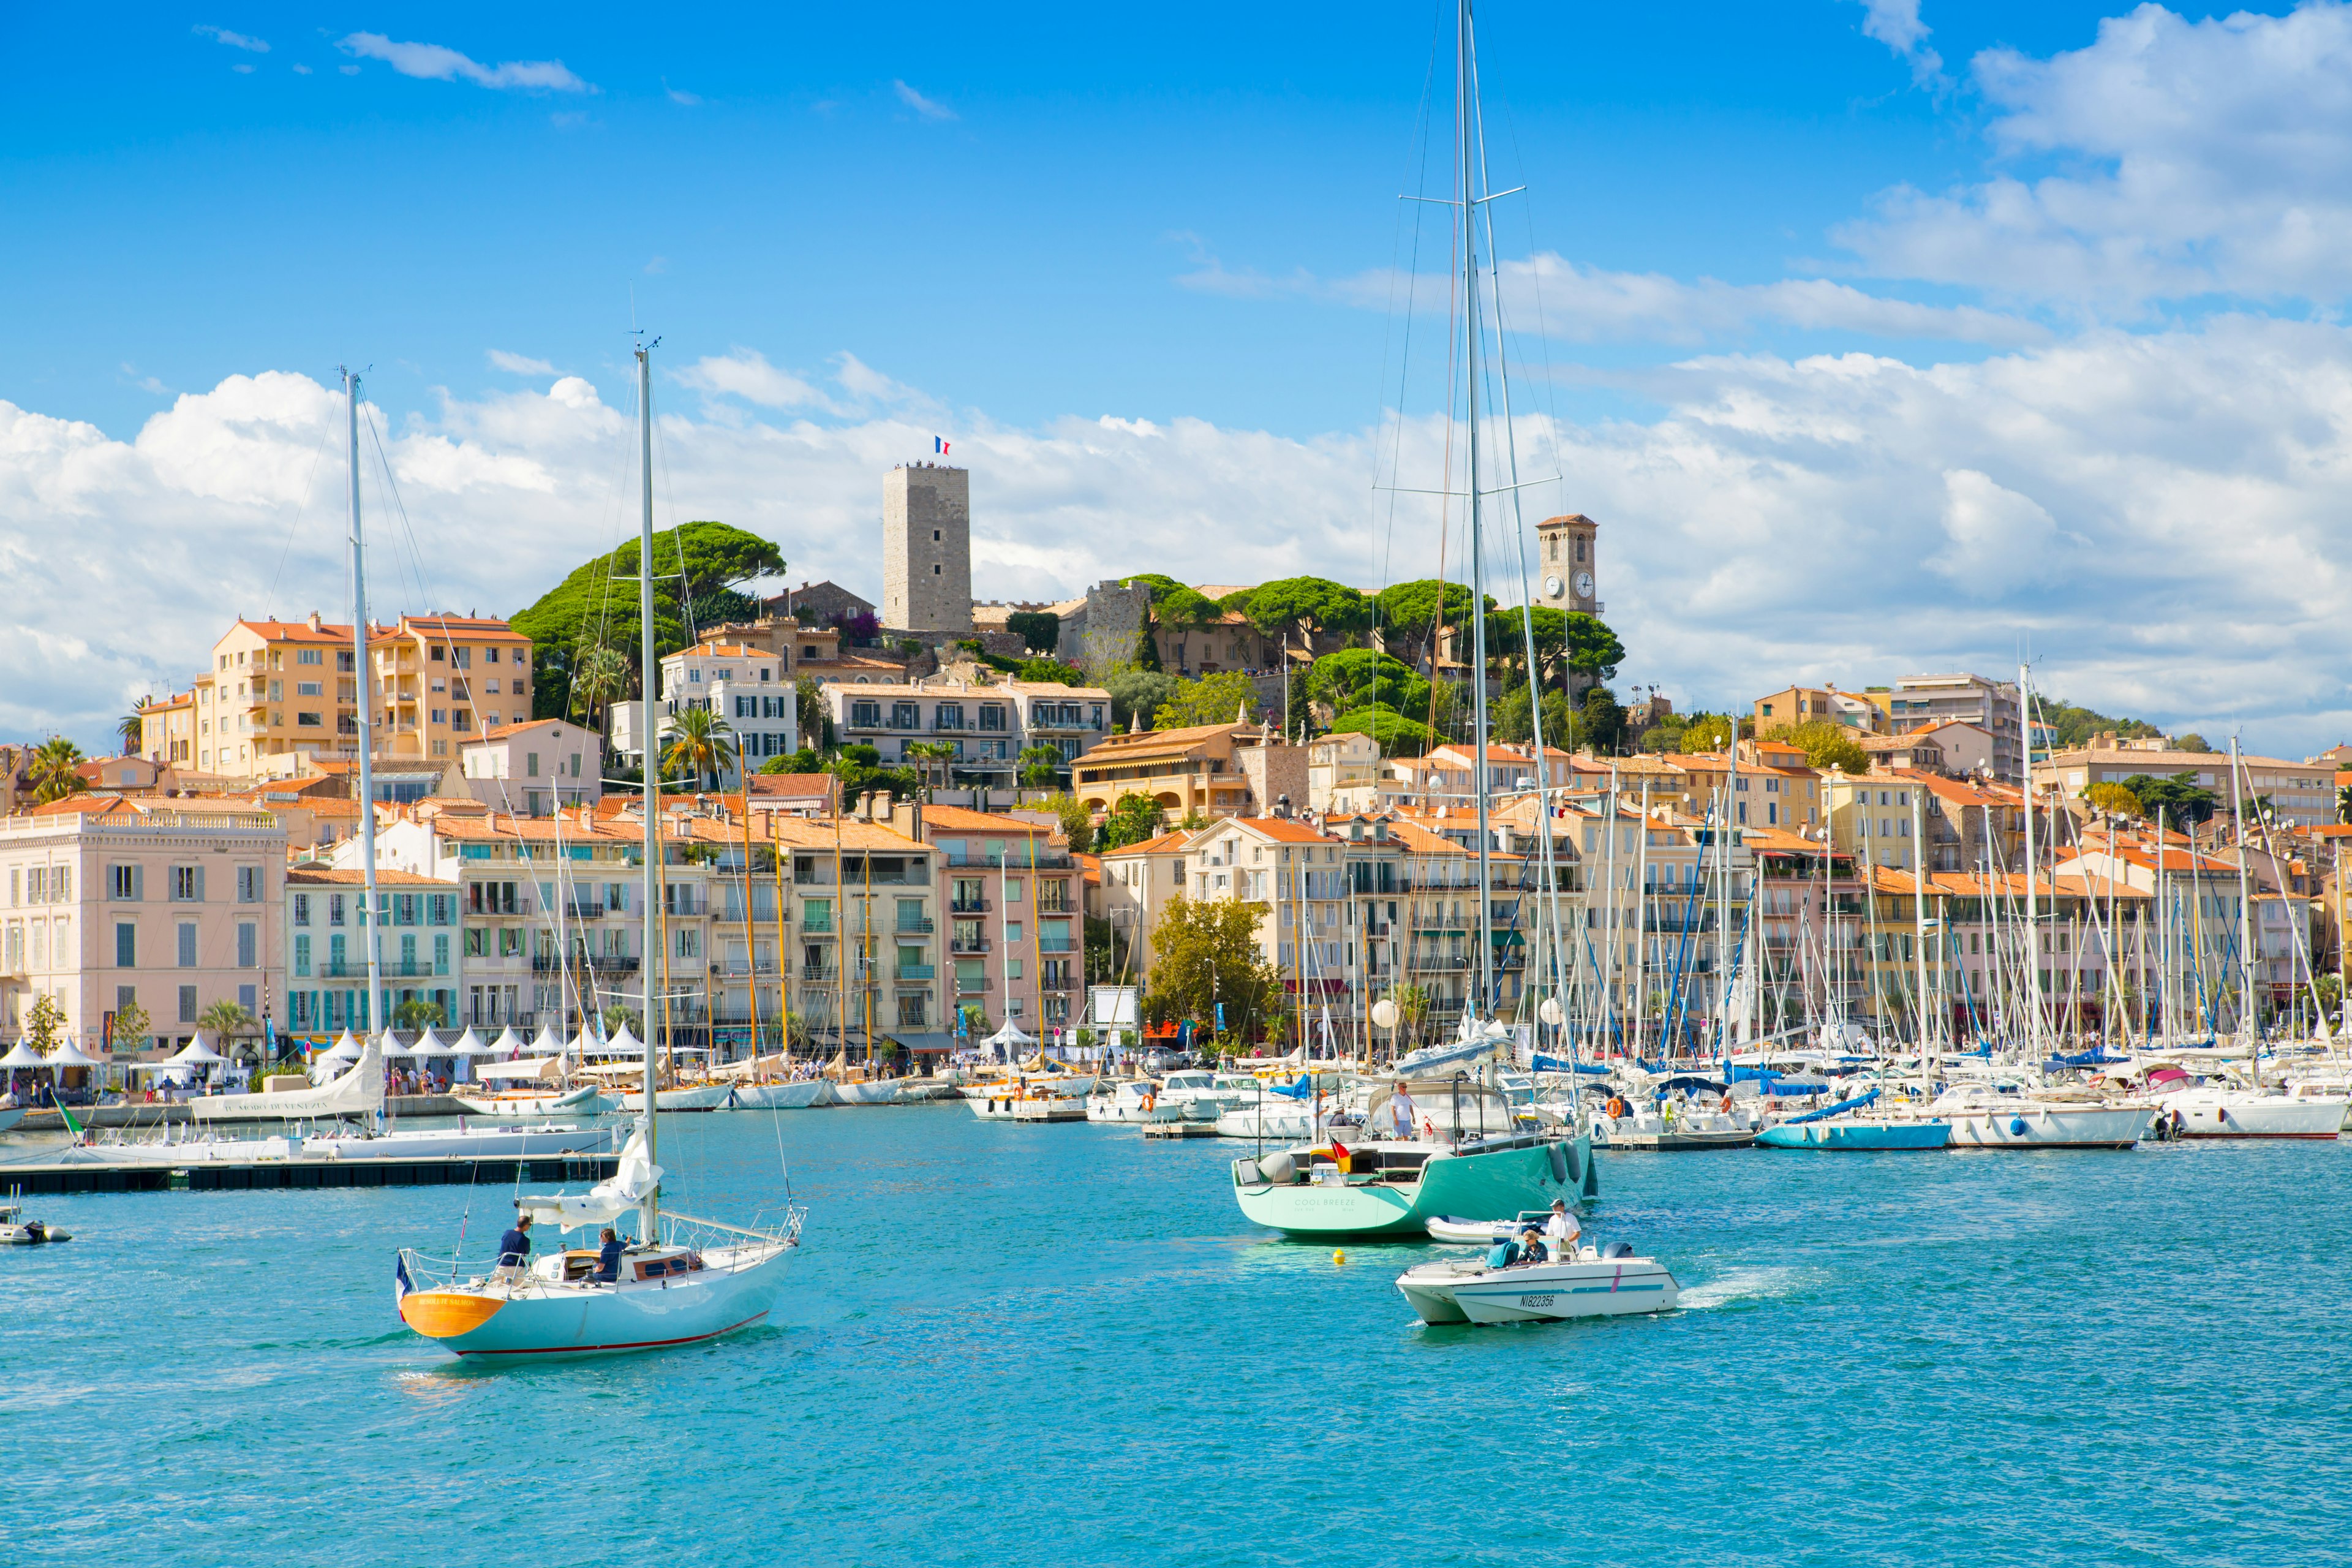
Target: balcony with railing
column 969, row 907
column 1012, row 859
column 917, row 974
column 741, row 968
column 1057, row 944
column 967, row 944
column 389, row 968
column 820, row 974
column 684, row 903
column 907, row 927
column 972, row 985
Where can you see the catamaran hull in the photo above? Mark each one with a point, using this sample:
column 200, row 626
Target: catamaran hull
column 567, row 1323
column 1842, row 1136
column 2051, row 1127
column 1494, row 1185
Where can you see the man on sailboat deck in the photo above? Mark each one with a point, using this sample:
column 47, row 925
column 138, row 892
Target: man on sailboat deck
column 1400, row 1111
column 608, row 1258
column 514, row 1248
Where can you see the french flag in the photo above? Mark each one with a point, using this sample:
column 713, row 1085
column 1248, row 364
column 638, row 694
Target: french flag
column 939, row 446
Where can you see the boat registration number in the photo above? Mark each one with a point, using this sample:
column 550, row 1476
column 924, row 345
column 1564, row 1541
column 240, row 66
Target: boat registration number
column 1535, row 1300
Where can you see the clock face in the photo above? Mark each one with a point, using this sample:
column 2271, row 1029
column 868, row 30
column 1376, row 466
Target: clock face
column 1584, row 584
column 1552, row 587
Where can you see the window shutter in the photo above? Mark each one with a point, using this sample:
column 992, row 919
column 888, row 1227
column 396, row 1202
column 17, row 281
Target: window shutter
column 200, row 884
column 137, row 883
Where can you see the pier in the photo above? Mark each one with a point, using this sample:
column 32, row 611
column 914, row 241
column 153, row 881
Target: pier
column 45, row 1119
column 260, row 1174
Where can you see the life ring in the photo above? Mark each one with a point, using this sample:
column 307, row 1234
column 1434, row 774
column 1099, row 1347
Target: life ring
column 1148, row 1102
column 1616, row 1106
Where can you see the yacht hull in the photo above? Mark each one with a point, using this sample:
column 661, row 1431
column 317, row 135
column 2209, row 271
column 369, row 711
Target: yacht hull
column 1496, row 1185
column 584, row 1102
column 882, row 1093
column 562, row 1323
column 2037, row 1126
column 2253, row 1116
column 1844, row 1136
column 700, row 1097
column 780, row 1096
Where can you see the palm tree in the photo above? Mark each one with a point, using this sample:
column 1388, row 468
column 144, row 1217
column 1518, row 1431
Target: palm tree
column 600, row 680
column 131, row 728
column 926, row 752
column 1039, row 765
column 225, row 1019
column 700, row 742
column 53, row 771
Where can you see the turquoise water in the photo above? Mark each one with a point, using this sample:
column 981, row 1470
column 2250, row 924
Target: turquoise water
column 1060, row 1344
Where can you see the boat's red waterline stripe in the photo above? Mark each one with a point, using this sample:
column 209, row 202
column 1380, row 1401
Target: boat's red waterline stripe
column 637, row 1345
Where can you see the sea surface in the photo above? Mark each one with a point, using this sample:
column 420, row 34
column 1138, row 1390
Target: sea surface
column 1020, row 1345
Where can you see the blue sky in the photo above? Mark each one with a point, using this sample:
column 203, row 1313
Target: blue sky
column 191, row 207
column 1881, row 336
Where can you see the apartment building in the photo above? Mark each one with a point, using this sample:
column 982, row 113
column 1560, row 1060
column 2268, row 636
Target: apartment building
column 867, row 924
column 1137, row 882
column 2301, row 795
column 167, row 730
column 1870, row 821
column 1991, row 706
column 748, row 686
column 420, row 943
column 1343, row 773
column 441, row 680
column 1015, row 908
column 170, row 904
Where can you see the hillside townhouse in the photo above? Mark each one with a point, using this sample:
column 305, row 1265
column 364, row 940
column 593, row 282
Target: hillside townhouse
column 986, row 725
column 534, row 768
column 1991, row 706
column 1206, row 771
column 170, row 904
column 2301, row 795
column 861, row 931
column 1794, row 705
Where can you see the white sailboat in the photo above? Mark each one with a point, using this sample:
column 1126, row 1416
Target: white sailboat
column 679, row 1280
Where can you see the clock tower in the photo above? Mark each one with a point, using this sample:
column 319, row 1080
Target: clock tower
column 1566, row 561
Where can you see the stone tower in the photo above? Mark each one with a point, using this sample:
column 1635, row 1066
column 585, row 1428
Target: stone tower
column 1566, row 563
column 926, row 550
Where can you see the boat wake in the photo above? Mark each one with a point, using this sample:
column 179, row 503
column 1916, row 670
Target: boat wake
column 1742, row 1287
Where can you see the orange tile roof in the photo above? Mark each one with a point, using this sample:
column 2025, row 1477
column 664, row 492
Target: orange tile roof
column 321, row 876
column 959, row 819
column 1166, row 843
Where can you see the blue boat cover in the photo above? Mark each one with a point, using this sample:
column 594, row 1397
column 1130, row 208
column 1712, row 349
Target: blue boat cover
column 1833, row 1110
column 1561, row 1064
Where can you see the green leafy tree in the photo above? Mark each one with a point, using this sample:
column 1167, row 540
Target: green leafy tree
column 1512, row 718
column 1825, row 742
column 1105, row 952
column 1599, row 722
column 1039, row 630
column 1707, row 732
column 1051, row 671
column 45, row 1023
column 1040, row 765
column 1360, row 677
column 133, row 1027
column 2179, row 797
column 417, row 1015
column 701, row 745
column 1132, row 820
column 803, row 760
column 2191, row 742
column 1209, row 699
column 1297, row 608
column 2112, row 799
column 594, row 608
column 1205, row 952
column 2071, row 726
column 1410, row 613
column 859, row 773
column 1134, row 691
column 816, row 712
column 1396, row 735
column 1412, row 1009
column 54, row 770
column 1077, row 822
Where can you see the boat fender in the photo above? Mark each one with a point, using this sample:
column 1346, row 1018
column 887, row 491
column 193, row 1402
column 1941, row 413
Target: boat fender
column 1279, row 1169
column 1559, row 1163
column 2017, row 1126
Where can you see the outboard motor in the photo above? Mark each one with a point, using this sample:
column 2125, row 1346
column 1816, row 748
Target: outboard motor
column 1618, row 1249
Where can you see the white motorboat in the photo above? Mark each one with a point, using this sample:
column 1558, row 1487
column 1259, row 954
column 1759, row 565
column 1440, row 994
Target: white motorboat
column 1027, row 1104
column 1661, row 1129
column 873, row 1091
column 1590, row 1285
column 1983, row 1117
column 1286, row 1119
column 459, row 1143
column 1139, row 1102
column 15, row 1230
column 796, row 1096
column 1205, row 1096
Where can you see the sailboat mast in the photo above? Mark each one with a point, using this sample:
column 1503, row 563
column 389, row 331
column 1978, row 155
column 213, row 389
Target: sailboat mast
column 370, row 911
column 2033, row 878
column 649, row 671
column 1466, row 131
column 2246, row 938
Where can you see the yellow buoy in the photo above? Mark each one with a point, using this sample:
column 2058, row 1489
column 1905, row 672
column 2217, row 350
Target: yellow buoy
column 1338, row 1256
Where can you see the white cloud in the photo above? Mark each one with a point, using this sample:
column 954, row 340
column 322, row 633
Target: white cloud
column 2159, row 516
column 746, row 373
column 234, row 40
column 242, row 70
column 2184, row 157
column 302, row 70
column 690, row 99
column 1896, row 24
column 926, row 108
column 518, row 365
column 435, row 62
column 1567, row 299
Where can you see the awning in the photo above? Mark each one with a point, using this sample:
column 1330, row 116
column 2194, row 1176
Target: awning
column 925, row 1043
